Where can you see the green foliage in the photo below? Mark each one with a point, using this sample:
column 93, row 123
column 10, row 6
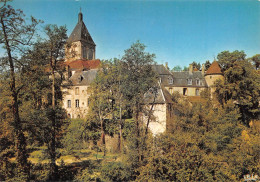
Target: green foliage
column 207, row 65
column 76, row 136
column 177, row 68
column 256, row 61
column 196, row 65
column 226, row 58
column 88, row 175
column 241, row 85
column 115, row 171
column 205, row 144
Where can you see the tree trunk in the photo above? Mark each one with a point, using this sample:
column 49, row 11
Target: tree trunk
column 137, row 132
column 103, row 139
column 120, row 136
column 20, row 141
column 53, row 166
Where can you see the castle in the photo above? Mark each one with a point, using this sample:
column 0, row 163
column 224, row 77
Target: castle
column 82, row 67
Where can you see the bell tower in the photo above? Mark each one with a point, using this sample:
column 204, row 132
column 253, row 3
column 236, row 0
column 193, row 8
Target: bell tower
column 80, row 44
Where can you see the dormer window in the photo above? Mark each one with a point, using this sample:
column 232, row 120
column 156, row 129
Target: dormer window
column 170, row 80
column 189, row 81
column 80, row 78
column 197, row 81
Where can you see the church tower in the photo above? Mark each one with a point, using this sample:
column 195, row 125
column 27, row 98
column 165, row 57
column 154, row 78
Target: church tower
column 80, row 45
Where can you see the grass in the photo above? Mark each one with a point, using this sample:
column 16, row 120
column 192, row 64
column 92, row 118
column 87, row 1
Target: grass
column 76, row 156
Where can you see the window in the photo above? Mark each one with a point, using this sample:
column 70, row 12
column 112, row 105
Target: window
column 170, row 80
column 197, row 92
column 197, row 82
column 185, row 90
column 69, row 103
column 77, row 91
column 77, row 102
column 189, row 81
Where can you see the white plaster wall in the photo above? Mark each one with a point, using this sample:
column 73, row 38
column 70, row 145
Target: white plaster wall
column 159, row 124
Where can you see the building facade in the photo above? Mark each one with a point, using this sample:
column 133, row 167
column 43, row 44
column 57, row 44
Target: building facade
column 81, row 70
column 82, row 67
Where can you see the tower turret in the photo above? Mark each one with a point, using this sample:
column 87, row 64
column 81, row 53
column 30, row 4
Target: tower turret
column 80, row 44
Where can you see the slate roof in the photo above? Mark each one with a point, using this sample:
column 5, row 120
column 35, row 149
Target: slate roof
column 180, row 79
column 160, row 69
column 80, row 78
column 82, row 64
column 80, row 33
column 164, row 74
column 214, row 69
column 162, row 96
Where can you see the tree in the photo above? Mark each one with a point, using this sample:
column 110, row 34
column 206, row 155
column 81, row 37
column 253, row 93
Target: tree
column 242, row 85
column 226, row 58
column 185, row 68
column 207, row 65
column 177, row 68
column 256, row 60
column 139, row 79
column 54, row 49
column 196, row 65
column 101, row 101
column 107, row 105
column 15, row 34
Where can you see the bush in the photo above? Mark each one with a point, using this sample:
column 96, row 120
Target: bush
column 115, row 171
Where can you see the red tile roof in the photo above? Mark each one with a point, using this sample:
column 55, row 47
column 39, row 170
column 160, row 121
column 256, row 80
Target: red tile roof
column 84, row 64
column 214, row 69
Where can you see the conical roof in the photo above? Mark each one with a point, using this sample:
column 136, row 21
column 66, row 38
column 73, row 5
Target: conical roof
column 214, row 69
column 80, row 32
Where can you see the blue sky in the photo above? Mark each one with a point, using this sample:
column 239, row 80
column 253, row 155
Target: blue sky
column 177, row 31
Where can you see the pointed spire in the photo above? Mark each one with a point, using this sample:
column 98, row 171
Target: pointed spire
column 80, row 32
column 80, row 16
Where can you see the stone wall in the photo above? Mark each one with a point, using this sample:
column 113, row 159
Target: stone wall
column 74, row 93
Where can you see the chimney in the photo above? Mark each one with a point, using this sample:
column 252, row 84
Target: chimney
column 203, row 69
column 190, row 69
column 166, row 65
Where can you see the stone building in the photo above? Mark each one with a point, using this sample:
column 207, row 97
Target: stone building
column 81, row 70
column 191, row 83
column 80, row 44
column 160, row 102
column 82, row 67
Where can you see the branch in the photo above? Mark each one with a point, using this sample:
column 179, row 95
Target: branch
column 150, row 113
column 18, row 90
column 3, row 4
